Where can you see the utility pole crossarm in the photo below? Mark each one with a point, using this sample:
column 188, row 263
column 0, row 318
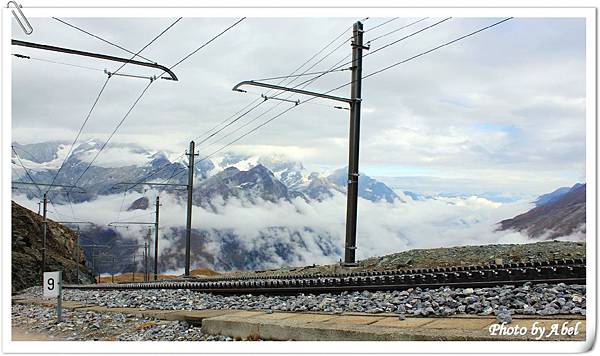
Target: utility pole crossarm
column 150, row 183
column 293, row 90
column 71, row 187
column 95, row 55
column 75, row 222
column 117, row 223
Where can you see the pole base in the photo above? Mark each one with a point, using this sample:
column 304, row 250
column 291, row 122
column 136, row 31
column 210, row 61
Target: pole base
column 349, row 264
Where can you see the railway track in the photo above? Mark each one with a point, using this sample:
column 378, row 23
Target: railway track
column 559, row 271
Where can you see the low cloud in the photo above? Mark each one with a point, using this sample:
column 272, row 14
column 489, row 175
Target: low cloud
column 312, row 232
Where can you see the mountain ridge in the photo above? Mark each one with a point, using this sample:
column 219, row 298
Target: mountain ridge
column 562, row 216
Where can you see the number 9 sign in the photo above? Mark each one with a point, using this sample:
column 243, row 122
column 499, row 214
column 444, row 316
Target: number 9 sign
column 52, row 284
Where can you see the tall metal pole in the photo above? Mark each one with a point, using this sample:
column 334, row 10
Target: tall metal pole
column 156, row 238
column 355, row 96
column 188, row 232
column 112, row 269
column 45, row 231
column 134, row 266
column 146, row 276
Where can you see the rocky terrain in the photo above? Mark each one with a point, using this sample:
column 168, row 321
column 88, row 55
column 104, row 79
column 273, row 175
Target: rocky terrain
column 40, row 323
column 528, row 299
column 63, row 253
column 556, row 214
column 445, row 257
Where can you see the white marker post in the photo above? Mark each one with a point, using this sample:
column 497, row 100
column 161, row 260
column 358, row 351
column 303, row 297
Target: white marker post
column 53, row 288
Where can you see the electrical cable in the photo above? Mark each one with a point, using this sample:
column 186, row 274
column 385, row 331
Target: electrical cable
column 26, row 170
column 396, row 30
column 132, row 106
column 96, row 102
column 367, row 76
column 159, row 169
column 381, row 24
column 56, row 62
column 102, row 39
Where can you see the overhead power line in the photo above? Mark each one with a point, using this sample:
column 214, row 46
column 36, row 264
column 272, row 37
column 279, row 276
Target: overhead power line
column 288, row 76
column 103, row 39
column 207, row 43
column 113, row 132
column 149, row 84
column 366, row 76
column 433, row 49
column 243, row 112
column 96, row 101
column 56, row 62
column 406, row 37
column 87, row 117
column 381, row 24
column 338, row 65
column 301, row 75
column 396, row 30
column 26, row 170
column 149, row 43
column 293, row 79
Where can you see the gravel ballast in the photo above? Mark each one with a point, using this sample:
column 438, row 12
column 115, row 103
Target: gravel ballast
column 87, row 325
column 504, row 301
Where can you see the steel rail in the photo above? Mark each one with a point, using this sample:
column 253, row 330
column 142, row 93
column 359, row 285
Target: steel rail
column 561, row 271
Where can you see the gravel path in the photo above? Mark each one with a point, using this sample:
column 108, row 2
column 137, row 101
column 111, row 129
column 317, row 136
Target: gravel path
column 40, row 322
column 539, row 299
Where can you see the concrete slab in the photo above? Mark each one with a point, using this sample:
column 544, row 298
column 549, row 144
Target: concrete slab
column 248, row 313
column 196, row 316
column 390, row 322
column 233, row 326
column 310, row 318
column 463, row 323
column 353, row 320
column 273, row 316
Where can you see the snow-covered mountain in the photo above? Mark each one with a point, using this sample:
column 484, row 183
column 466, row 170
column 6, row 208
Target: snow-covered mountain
column 249, row 211
column 254, row 182
column 268, row 178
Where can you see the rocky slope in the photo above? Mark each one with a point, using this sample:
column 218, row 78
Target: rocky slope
column 442, row 257
column 555, row 217
column 63, row 253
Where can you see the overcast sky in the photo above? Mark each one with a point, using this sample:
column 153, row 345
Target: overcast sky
column 504, row 109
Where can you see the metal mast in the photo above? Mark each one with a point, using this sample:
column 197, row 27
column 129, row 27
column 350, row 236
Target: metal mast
column 188, row 231
column 352, row 194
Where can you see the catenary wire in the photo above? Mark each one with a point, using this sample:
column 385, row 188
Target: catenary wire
column 159, row 169
column 102, row 39
column 132, row 106
column 56, row 62
column 94, row 105
column 381, row 24
column 393, row 43
column 173, row 66
column 366, row 76
column 179, row 62
column 26, row 170
column 396, row 30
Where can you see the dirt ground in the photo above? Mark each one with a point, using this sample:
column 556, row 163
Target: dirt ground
column 19, row 334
